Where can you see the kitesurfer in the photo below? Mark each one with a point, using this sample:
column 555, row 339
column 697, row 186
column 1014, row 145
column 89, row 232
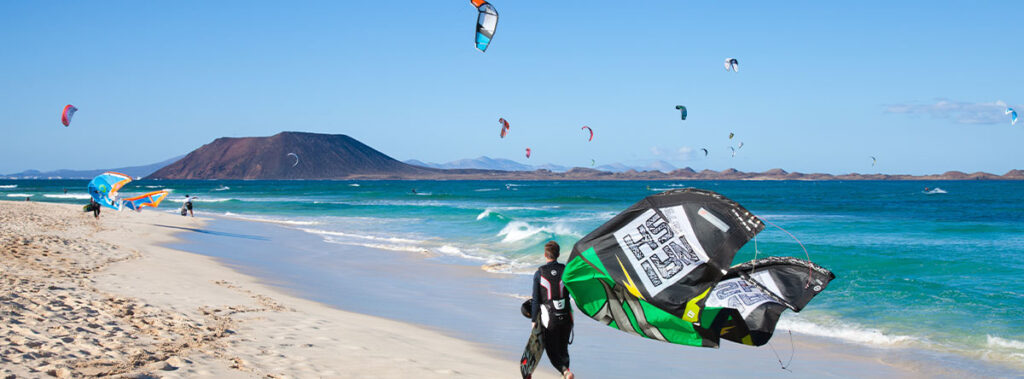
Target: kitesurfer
column 551, row 308
column 188, row 205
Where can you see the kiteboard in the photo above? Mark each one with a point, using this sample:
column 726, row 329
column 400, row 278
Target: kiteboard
column 531, row 354
column 184, row 211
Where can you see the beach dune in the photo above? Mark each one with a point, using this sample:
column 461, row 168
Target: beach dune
column 87, row 297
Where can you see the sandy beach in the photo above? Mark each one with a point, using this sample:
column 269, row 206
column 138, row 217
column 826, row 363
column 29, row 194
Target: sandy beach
column 107, row 297
column 85, row 297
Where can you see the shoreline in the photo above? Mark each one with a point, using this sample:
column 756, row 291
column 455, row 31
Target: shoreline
column 137, row 308
column 180, row 271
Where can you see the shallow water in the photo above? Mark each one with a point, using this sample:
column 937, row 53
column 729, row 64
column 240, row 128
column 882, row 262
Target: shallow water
column 932, row 272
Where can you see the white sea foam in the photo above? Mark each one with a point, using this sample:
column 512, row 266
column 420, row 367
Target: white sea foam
column 19, row 195
column 996, row 342
column 935, row 191
column 352, row 236
column 272, row 220
column 154, row 186
column 485, row 189
column 487, row 213
column 81, row 196
column 516, row 231
column 8, row 186
column 354, row 185
column 221, row 188
column 845, row 332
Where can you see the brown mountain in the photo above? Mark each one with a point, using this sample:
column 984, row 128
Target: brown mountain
column 321, row 156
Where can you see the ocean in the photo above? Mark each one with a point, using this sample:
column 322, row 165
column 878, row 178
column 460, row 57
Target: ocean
column 936, row 271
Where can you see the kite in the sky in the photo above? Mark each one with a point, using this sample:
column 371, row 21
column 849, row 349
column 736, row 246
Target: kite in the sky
column 682, row 111
column 67, row 113
column 731, row 135
column 733, row 151
column 103, row 188
column 740, row 146
column 732, row 64
column 662, row 269
column 528, row 151
column 504, row 127
column 486, row 23
column 587, row 128
column 1009, row 111
column 705, row 151
column 296, row 158
column 873, row 161
column 151, row 199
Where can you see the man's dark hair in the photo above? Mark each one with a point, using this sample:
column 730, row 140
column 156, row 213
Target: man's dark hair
column 551, row 250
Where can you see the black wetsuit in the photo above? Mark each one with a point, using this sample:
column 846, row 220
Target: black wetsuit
column 556, row 318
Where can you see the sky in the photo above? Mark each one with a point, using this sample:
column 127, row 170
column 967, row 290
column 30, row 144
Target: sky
column 822, row 86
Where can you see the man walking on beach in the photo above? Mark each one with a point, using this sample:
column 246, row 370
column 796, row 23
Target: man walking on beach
column 551, row 309
column 188, row 205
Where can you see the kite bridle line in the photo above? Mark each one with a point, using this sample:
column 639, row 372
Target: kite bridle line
column 810, row 272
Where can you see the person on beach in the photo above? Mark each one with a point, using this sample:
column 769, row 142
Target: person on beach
column 188, row 205
column 95, row 207
column 551, row 308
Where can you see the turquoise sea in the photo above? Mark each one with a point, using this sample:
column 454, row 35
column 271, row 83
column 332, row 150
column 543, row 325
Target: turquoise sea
column 938, row 271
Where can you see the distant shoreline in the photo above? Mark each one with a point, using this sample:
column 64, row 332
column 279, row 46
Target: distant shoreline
column 583, row 174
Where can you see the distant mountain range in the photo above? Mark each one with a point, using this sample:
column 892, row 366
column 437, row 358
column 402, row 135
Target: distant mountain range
column 487, row 163
column 298, row 155
column 133, row 171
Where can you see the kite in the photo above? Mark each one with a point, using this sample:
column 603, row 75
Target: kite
column 649, row 269
column 740, row 146
column 486, row 23
column 103, row 188
column 745, row 306
column 732, row 64
column 705, row 152
column 528, row 151
column 1009, row 111
column 659, row 270
column 592, row 163
column 733, row 151
column 296, row 158
column 731, row 135
column 587, row 128
column 873, row 161
column 682, row 110
column 151, row 199
column 67, row 113
column 504, row 127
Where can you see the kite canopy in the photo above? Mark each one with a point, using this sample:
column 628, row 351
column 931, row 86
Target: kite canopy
column 67, row 113
column 733, row 151
column 873, row 161
column 296, row 158
column 647, row 276
column 745, row 306
column 665, row 280
column 587, row 128
column 705, row 151
column 528, row 151
column 151, row 199
column 682, row 111
column 1013, row 115
column 103, row 188
column 486, row 23
column 731, row 135
column 504, row 127
column 732, row 64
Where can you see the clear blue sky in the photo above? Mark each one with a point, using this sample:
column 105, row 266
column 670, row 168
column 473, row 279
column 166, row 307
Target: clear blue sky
column 822, row 85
